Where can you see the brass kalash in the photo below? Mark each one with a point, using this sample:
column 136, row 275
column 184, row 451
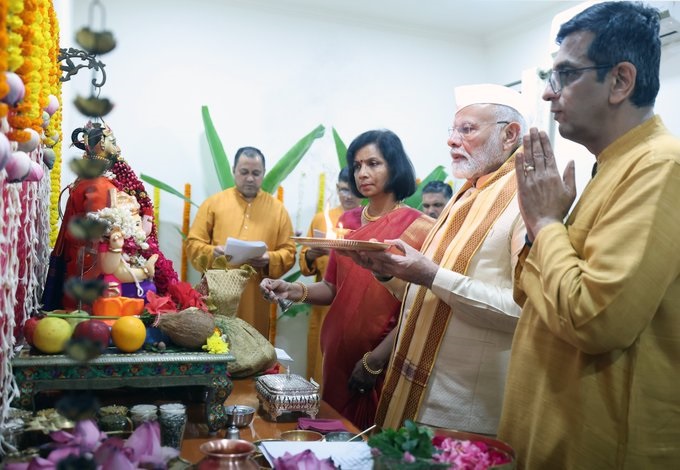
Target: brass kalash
column 279, row 393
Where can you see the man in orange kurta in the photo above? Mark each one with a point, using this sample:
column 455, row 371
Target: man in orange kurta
column 313, row 262
column 246, row 213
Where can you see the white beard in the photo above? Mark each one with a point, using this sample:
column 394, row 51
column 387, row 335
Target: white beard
column 483, row 161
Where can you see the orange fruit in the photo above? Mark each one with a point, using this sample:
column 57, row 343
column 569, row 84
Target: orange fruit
column 128, row 334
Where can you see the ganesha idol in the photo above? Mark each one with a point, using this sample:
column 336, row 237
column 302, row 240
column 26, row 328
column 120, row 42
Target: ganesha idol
column 127, row 277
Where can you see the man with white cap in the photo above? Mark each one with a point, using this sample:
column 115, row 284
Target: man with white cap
column 449, row 363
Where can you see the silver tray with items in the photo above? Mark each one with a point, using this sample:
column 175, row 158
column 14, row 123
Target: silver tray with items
column 279, row 393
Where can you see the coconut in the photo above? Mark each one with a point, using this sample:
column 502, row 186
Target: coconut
column 189, row 328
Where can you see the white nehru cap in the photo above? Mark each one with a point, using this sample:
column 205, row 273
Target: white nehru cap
column 488, row 93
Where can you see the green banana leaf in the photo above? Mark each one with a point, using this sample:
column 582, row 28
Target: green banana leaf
column 416, row 199
column 165, row 187
column 220, row 160
column 274, row 177
column 341, row 149
column 296, row 309
column 292, row 277
column 182, row 234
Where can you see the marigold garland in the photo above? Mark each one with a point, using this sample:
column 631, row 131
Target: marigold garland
column 185, row 230
column 157, row 206
column 322, row 192
column 4, row 43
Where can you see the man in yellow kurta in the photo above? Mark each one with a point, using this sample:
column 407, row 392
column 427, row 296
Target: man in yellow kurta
column 313, row 262
column 246, row 213
column 595, row 362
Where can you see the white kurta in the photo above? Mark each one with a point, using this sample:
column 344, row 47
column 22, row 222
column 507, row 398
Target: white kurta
column 465, row 389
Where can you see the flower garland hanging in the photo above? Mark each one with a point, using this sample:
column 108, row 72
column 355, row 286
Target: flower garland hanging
column 53, row 129
column 185, row 230
column 322, row 192
column 126, row 180
column 14, row 25
column 28, row 110
column 4, row 43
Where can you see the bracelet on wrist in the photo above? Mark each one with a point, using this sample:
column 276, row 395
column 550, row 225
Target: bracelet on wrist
column 364, row 361
column 305, row 292
column 115, row 250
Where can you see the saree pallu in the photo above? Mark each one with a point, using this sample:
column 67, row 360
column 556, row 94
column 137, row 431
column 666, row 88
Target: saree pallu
column 362, row 313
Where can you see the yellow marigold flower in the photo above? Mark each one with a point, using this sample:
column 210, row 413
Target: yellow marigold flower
column 216, row 345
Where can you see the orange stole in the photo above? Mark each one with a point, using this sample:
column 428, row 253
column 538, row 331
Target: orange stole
column 411, row 364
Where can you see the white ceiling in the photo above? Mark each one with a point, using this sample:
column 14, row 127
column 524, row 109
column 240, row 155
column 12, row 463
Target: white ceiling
column 474, row 18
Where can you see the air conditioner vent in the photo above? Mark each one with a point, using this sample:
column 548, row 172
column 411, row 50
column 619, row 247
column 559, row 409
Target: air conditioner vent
column 670, row 28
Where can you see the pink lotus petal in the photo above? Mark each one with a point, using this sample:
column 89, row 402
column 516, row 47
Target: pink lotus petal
column 118, row 459
column 61, row 436
column 38, row 463
column 62, row 452
column 88, row 434
column 17, row 466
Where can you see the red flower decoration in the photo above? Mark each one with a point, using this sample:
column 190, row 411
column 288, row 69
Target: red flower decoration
column 186, row 296
column 157, row 304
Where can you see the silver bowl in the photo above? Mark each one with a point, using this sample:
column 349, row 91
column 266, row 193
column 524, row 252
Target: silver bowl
column 239, row 415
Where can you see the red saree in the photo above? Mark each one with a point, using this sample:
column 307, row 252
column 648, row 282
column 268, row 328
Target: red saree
column 362, row 313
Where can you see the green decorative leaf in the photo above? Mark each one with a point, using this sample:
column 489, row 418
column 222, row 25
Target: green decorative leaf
column 341, row 149
column 292, row 277
column 220, row 160
column 182, row 234
column 416, row 199
column 287, row 163
column 296, row 310
column 165, row 187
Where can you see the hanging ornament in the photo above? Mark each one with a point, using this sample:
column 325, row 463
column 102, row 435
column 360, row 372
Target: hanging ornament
column 96, row 42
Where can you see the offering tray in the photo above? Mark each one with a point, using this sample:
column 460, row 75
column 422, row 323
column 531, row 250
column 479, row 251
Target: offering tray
column 341, row 244
column 278, row 393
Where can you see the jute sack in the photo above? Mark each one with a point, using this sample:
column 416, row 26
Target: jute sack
column 223, row 287
column 253, row 352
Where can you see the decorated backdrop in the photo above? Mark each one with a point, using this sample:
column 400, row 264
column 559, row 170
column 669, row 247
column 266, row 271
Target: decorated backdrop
column 30, row 149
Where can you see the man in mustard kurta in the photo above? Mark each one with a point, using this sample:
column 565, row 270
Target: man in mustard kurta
column 595, row 362
column 247, row 213
column 313, row 262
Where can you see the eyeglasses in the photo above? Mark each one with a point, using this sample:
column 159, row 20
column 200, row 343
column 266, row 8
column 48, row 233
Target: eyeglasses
column 344, row 191
column 467, row 130
column 558, row 79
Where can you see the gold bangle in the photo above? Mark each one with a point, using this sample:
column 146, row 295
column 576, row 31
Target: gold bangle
column 305, row 291
column 115, row 250
column 364, row 361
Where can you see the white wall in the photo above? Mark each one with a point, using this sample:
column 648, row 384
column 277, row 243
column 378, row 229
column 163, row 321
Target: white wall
column 270, row 76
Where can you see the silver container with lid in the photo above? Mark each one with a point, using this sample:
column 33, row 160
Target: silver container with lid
column 279, row 393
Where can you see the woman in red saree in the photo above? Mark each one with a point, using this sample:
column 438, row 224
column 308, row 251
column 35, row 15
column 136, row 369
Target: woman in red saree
column 355, row 335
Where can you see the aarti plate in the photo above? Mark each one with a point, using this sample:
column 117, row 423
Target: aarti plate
column 342, row 244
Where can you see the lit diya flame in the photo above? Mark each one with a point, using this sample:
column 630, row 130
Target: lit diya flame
column 333, row 234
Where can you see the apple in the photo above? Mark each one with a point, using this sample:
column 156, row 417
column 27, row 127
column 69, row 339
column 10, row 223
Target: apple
column 29, row 328
column 94, row 330
column 76, row 321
